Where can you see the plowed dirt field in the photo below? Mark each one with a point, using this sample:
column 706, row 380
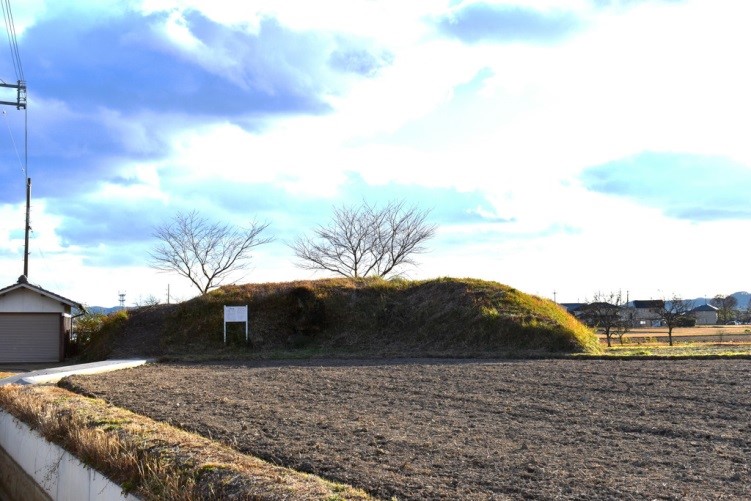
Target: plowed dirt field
column 457, row 429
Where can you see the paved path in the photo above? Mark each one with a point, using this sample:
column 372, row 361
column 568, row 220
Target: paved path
column 55, row 374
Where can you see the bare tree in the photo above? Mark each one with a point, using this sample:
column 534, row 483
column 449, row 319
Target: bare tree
column 366, row 240
column 672, row 312
column 605, row 312
column 202, row 251
column 150, row 300
column 628, row 319
column 726, row 306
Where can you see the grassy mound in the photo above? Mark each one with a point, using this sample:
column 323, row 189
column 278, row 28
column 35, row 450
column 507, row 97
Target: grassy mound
column 365, row 317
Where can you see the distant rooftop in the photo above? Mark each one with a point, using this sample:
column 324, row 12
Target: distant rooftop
column 648, row 303
column 706, row 307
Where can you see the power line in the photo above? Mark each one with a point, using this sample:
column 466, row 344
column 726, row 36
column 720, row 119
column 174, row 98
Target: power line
column 10, row 28
column 15, row 146
column 20, row 103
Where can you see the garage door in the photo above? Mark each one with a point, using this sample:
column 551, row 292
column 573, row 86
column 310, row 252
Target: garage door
column 29, row 337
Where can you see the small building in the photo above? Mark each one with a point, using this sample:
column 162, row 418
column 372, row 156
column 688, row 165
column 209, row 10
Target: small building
column 35, row 324
column 644, row 312
column 600, row 314
column 705, row 314
column 573, row 308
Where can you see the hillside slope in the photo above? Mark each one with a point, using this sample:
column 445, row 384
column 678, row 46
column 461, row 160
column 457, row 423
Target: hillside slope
column 370, row 317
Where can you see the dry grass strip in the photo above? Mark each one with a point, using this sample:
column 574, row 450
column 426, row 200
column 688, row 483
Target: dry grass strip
column 153, row 460
column 6, row 374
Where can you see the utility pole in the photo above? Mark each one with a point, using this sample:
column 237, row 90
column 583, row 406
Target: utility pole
column 27, row 229
column 20, row 104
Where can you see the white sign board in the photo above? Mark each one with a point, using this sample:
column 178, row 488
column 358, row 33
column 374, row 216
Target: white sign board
column 235, row 314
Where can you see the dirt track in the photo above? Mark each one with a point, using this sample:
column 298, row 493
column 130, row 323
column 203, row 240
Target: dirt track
column 471, row 430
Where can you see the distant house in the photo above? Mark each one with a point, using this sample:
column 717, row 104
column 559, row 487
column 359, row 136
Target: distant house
column 600, row 314
column 34, row 323
column 574, row 308
column 644, row 312
column 595, row 313
column 705, row 314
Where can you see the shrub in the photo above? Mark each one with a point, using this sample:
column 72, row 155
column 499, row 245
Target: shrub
column 685, row 322
column 85, row 329
column 95, row 341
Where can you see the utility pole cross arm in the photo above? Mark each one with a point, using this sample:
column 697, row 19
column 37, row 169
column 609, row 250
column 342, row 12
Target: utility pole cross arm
column 20, row 101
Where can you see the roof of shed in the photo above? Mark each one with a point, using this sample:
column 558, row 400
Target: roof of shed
column 571, row 307
column 648, row 303
column 23, row 283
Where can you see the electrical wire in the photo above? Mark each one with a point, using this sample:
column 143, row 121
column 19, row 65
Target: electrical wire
column 18, row 67
column 10, row 28
column 15, row 146
column 26, row 141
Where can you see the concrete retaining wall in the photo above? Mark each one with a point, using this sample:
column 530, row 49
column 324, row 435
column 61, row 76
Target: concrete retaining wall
column 33, row 468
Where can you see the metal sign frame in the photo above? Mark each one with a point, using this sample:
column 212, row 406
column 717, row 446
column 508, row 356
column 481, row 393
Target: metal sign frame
column 235, row 314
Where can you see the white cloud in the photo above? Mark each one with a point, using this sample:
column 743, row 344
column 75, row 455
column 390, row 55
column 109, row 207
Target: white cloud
column 12, row 221
column 515, row 122
column 176, row 29
column 289, row 153
column 61, row 268
column 30, row 12
column 559, row 110
column 390, row 20
column 137, row 183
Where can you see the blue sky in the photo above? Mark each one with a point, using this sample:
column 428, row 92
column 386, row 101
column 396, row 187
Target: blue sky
column 573, row 146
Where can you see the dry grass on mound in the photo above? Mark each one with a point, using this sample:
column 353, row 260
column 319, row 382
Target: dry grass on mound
column 154, row 460
column 6, row 374
column 371, row 317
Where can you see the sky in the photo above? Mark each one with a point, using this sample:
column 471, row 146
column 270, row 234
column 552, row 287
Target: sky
column 563, row 147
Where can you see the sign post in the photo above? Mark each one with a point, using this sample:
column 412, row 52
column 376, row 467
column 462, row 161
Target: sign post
column 235, row 314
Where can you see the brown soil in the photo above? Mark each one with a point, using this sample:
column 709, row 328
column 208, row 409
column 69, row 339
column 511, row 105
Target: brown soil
column 438, row 429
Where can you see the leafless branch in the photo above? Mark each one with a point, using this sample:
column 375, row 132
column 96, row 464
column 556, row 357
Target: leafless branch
column 672, row 312
column 204, row 252
column 366, row 240
column 606, row 312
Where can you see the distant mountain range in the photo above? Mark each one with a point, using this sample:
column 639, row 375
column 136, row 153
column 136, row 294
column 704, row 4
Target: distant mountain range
column 743, row 299
column 102, row 309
